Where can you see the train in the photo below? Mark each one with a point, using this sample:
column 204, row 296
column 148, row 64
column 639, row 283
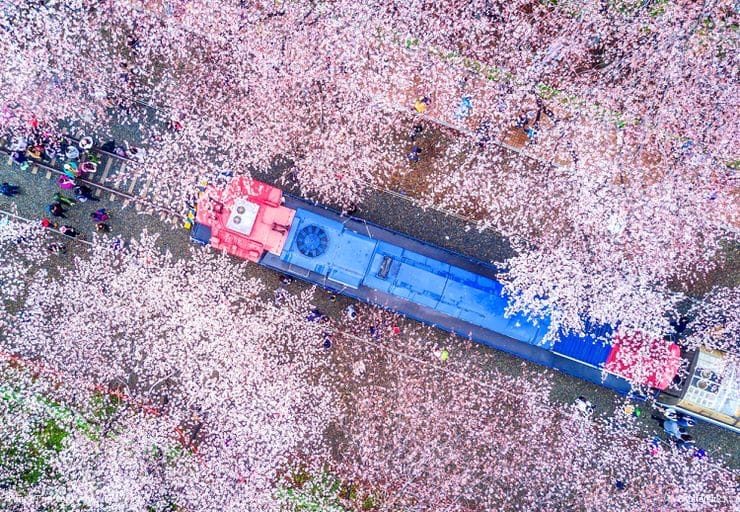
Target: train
column 260, row 223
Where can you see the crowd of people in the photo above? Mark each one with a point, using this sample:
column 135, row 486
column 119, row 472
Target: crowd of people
column 350, row 313
column 676, row 424
column 77, row 160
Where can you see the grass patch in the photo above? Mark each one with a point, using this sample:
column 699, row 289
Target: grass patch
column 323, row 492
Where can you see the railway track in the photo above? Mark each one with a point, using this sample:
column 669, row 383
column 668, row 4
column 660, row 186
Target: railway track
column 112, row 179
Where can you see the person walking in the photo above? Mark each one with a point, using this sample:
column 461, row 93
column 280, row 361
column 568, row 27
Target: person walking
column 668, row 412
column 84, row 193
column 672, row 429
column 685, row 421
column 286, row 280
column 584, row 405
column 59, row 198
column 99, row 215
column 464, row 108
column 442, row 354
column 314, row 316
column 327, row 340
column 7, row 189
column 422, row 104
column 56, row 210
column 102, row 227
column 68, row 231
column 413, row 156
column 65, row 182
column 483, row 133
column 685, row 443
column 687, row 438
column 280, row 294
column 415, row 132
column 46, row 223
column 351, row 312
column 56, row 248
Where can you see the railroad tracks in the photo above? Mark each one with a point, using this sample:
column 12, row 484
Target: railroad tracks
column 112, row 179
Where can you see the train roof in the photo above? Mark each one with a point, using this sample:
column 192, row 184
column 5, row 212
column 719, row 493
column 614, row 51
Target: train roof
column 347, row 258
column 644, row 359
column 392, row 270
column 245, row 219
column 325, row 247
column 592, row 348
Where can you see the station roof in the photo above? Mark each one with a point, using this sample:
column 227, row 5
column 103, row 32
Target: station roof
column 714, row 387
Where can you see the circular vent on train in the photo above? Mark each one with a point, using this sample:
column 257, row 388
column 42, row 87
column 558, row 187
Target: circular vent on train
column 312, row 241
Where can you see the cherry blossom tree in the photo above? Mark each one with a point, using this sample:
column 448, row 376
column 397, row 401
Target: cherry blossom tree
column 624, row 210
column 21, row 252
column 222, row 391
column 716, row 323
column 51, row 63
column 626, row 184
column 431, row 435
column 236, row 380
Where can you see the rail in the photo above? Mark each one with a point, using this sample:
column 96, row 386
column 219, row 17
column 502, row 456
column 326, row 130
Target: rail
column 127, row 196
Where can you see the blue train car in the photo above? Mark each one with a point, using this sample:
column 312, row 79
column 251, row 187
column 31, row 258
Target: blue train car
column 394, row 271
column 429, row 284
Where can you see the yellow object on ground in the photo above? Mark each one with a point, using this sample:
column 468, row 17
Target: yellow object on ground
column 443, row 354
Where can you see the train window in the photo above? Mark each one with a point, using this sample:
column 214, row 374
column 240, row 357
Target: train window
column 385, row 267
